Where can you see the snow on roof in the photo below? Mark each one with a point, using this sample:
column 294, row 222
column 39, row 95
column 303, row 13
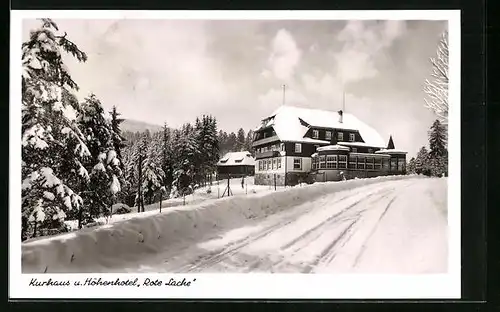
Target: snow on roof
column 237, row 159
column 332, row 148
column 391, row 151
column 288, row 127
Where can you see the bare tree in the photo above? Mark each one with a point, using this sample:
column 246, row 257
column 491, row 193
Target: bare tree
column 436, row 89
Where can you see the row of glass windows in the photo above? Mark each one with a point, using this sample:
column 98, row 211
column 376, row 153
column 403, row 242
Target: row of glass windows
column 328, row 135
column 357, row 162
column 329, row 162
column 275, row 163
column 270, row 164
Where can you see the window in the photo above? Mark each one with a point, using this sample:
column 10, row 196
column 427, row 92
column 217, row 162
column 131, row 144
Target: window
column 361, row 163
column 328, row 135
column 315, row 134
column 331, row 161
column 260, row 165
column 274, row 163
column 351, row 137
column 279, row 163
column 370, row 150
column 394, row 164
column 283, row 146
column 342, row 161
column 298, row 148
column 385, row 163
column 322, row 163
column 354, row 150
column 313, row 163
column 352, row 162
column 340, row 136
column 369, row 163
column 401, row 164
column 297, row 163
column 378, row 164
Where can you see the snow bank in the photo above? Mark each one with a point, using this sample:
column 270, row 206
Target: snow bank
column 149, row 233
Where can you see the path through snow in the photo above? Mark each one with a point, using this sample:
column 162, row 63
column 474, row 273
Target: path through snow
column 388, row 227
column 380, row 225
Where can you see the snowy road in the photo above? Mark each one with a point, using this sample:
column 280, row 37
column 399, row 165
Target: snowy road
column 387, row 227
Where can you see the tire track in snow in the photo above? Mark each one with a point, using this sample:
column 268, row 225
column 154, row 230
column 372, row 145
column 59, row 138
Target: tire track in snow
column 329, row 248
column 331, row 219
column 216, row 257
column 363, row 247
column 213, row 257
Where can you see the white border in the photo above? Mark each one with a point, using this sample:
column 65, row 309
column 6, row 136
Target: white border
column 271, row 286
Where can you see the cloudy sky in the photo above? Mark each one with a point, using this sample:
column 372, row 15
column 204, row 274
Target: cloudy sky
column 172, row 71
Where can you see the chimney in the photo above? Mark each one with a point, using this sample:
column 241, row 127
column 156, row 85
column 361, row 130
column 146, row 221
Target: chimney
column 341, row 114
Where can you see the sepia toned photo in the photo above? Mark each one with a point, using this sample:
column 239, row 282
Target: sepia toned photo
column 234, row 146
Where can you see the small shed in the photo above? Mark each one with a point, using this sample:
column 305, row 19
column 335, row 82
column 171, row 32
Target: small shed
column 237, row 164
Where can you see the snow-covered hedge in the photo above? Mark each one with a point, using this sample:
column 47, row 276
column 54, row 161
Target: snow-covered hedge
column 98, row 250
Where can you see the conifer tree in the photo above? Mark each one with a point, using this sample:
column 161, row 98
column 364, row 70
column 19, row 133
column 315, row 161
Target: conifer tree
column 438, row 154
column 240, row 140
column 437, row 140
column 49, row 184
column 118, row 139
column 422, row 165
column 167, row 159
column 410, row 167
column 104, row 165
column 152, row 172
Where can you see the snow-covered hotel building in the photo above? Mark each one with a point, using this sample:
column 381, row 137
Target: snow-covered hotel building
column 301, row 144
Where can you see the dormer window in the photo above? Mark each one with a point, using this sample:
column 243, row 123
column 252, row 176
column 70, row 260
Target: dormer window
column 298, row 148
column 340, row 136
column 351, row 137
column 328, row 135
column 315, row 134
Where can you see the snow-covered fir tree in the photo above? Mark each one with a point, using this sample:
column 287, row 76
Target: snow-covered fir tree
column 152, row 175
column 138, row 158
column 167, row 160
column 410, row 167
column 49, row 184
column 129, row 186
column 208, row 145
column 437, row 140
column 213, row 144
column 249, row 142
column 438, row 154
column 117, row 138
column 186, row 150
column 104, row 165
column 422, row 165
column 240, row 140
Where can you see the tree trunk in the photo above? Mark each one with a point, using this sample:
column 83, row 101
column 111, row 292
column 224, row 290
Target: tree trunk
column 34, row 230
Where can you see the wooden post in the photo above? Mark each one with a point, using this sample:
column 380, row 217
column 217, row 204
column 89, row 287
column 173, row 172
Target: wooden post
column 275, row 181
column 161, row 198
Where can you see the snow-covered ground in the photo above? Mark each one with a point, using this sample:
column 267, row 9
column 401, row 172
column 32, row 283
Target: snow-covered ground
column 217, row 190
column 380, row 225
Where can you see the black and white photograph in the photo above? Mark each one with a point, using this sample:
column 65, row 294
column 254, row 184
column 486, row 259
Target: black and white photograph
column 181, row 146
